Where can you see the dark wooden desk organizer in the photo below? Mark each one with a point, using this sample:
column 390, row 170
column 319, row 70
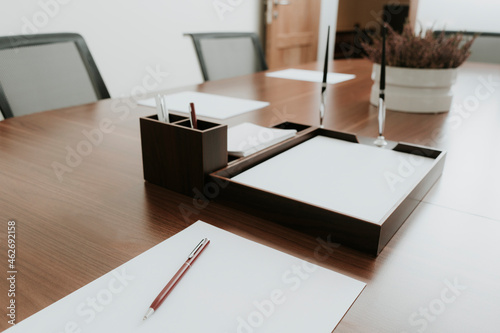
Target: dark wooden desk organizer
column 320, row 222
column 178, row 157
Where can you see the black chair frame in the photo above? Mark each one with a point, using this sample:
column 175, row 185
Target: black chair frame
column 12, row 42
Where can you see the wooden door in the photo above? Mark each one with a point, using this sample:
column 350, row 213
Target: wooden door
column 291, row 32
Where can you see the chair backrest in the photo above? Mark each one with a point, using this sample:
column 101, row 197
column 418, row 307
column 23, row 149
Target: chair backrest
column 227, row 54
column 486, row 47
column 47, row 71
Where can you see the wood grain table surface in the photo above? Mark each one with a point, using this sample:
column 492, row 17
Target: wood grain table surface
column 439, row 273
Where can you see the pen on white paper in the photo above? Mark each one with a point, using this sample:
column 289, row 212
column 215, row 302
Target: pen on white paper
column 220, row 293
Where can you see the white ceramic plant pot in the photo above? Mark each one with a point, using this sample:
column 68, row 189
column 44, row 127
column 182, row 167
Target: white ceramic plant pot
column 415, row 89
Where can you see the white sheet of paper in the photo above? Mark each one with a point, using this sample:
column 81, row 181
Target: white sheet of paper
column 208, row 105
column 247, row 138
column 359, row 180
column 235, row 285
column 312, row 76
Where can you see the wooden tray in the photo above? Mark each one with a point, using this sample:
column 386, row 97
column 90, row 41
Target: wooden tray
column 292, row 184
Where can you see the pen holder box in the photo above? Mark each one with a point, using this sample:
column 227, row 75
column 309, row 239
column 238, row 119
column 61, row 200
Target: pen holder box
column 178, row 157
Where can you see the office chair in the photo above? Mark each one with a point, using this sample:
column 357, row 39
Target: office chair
column 486, row 47
column 47, row 71
column 223, row 55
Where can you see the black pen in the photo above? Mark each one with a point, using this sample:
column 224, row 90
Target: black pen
column 323, row 84
column 380, row 141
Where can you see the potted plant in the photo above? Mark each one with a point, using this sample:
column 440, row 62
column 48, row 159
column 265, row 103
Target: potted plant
column 421, row 68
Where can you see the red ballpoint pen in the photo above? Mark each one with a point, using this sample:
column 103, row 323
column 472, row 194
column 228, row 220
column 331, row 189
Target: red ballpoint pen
column 171, row 284
column 194, row 121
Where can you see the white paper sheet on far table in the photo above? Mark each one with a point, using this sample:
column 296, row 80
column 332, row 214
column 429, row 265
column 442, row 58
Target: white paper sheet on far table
column 312, row 76
column 235, row 285
column 208, row 105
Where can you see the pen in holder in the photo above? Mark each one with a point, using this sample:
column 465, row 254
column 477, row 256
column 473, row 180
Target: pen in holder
column 192, row 113
column 380, row 141
column 178, row 157
column 161, row 108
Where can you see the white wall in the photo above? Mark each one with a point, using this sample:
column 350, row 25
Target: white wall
column 473, row 16
column 130, row 38
column 477, row 15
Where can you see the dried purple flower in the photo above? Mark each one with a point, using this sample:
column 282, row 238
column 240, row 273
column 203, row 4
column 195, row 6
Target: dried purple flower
column 423, row 50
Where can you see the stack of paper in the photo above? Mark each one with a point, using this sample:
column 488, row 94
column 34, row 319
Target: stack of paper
column 350, row 178
column 247, row 138
column 234, row 286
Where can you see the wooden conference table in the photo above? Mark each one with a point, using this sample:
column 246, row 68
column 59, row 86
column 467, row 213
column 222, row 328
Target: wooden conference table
column 439, row 273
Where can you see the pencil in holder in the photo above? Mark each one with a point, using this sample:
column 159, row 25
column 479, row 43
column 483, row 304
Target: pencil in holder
column 178, row 157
